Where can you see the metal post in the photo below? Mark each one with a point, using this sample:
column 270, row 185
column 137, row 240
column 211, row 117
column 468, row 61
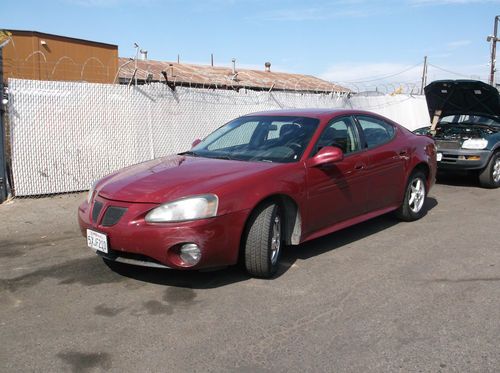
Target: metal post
column 494, row 51
column 136, row 46
column 3, row 160
column 424, row 76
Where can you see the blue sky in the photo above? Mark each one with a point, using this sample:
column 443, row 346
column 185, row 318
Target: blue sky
column 340, row 40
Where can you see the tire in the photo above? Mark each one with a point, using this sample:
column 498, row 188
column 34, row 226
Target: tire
column 489, row 177
column 413, row 204
column 264, row 241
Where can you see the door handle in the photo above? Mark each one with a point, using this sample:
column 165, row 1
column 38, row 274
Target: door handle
column 403, row 154
column 359, row 166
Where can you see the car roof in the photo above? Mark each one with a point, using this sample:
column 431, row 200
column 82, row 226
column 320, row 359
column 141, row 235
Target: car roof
column 310, row 113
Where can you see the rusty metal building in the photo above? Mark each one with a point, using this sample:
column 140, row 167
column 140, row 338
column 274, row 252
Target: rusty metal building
column 143, row 71
column 41, row 56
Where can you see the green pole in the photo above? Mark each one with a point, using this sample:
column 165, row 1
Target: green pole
column 3, row 160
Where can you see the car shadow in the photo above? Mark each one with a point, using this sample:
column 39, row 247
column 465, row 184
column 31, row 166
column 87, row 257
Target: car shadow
column 459, row 179
column 182, row 278
column 230, row 275
column 343, row 237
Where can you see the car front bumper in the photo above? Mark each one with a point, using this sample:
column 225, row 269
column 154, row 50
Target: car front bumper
column 131, row 240
column 463, row 159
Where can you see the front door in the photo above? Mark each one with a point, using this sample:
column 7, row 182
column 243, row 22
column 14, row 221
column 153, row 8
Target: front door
column 336, row 192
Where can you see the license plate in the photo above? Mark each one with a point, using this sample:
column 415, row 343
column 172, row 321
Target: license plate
column 439, row 157
column 97, row 241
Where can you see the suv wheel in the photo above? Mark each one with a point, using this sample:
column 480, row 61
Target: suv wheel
column 489, row 177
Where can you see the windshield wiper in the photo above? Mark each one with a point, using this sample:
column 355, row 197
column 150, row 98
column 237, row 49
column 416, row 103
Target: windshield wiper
column 189, row 152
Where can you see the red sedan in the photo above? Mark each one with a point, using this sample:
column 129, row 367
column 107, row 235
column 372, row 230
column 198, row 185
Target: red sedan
column 258, row 183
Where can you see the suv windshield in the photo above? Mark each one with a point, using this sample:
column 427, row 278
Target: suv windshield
column 280, row 139
column 469, row 119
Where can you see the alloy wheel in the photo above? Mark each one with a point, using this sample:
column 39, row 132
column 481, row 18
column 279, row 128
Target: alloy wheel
column 417, row 195
column 276, row 240
column 496, row 170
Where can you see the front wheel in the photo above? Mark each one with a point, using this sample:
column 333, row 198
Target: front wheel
column 264, row 241
column 412, row 207
column 489, row 177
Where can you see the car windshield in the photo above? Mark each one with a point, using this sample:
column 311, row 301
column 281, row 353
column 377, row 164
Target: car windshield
column 280, row 139
column 469, row 119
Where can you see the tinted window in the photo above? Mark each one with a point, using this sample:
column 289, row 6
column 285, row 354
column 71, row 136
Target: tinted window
column 340, row 133
column 376, row 131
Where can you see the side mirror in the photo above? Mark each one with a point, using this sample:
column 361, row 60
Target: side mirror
column 327, row 155
column 195, row 142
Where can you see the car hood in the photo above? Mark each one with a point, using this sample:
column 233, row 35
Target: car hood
column 470, row 97
column 169, row 178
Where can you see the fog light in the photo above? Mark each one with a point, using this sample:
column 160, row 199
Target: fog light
column 190, row 254
column 473, row 158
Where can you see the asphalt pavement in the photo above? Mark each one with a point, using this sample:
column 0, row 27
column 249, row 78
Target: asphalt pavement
column 383, row 296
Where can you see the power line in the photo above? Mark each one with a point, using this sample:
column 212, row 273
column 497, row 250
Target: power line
column 449, row 71
column 382, row 77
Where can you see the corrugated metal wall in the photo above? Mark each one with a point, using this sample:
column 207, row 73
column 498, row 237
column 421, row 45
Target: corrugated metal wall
column 64, row 135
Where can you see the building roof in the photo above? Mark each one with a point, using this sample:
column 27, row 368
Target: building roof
column 183, row 74
column 61, row 37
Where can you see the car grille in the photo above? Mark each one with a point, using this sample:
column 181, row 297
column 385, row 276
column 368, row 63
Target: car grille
column 96, row 210
column 443, row 144
column 113, row 215
column 450, row 158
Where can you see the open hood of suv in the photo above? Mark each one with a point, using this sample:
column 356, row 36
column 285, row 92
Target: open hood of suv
column 454, row 97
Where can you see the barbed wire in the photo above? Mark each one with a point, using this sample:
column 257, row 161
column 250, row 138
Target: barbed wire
column 55, row 70
column 95, row 70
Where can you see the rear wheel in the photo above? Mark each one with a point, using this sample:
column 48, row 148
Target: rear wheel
column 489, row 177
column 412, row 207
column 264, row 241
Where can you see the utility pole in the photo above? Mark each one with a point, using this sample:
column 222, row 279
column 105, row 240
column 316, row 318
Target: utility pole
column 424, row 76
column 493, row 39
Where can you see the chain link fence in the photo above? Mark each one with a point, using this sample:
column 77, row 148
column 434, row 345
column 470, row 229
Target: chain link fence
column 65, row 135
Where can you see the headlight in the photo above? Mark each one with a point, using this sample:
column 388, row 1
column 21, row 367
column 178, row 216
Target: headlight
column 475, row 144
column 91, row 192
column 189, row 208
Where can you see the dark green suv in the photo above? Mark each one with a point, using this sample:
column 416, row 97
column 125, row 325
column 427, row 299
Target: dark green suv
column 465, row 117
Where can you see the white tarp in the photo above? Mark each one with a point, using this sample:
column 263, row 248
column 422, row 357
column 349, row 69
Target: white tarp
column 407, row 110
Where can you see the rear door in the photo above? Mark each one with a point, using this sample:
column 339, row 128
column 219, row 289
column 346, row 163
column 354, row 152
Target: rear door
column 386, row 158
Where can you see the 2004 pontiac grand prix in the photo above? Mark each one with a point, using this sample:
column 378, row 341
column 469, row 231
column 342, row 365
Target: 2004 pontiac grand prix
column 258, row 183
